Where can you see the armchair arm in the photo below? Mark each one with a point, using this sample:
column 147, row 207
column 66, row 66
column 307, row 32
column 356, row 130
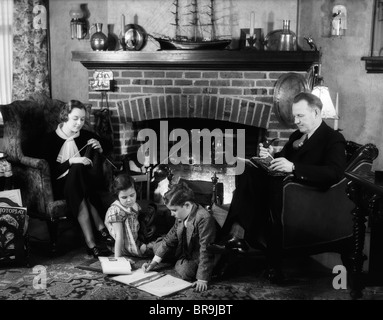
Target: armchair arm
column 33, row 176
column 36, row 163
column 289, row 178
column 360, row 153
column 313, row 216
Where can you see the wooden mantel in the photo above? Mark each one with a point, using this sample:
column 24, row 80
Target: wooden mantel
column 206, row 60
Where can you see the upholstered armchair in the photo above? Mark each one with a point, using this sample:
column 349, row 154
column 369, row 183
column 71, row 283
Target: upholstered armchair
column 315, row 220
column 25, row 122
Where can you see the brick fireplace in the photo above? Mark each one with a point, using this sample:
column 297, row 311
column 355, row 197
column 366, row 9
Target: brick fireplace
column 235, row 87
column 244, row 97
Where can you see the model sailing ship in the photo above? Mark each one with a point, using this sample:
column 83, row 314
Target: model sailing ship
column 197, row 41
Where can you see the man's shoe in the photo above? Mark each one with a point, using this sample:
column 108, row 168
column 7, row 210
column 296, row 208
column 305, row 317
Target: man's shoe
column 232, row 245
column 238, row 245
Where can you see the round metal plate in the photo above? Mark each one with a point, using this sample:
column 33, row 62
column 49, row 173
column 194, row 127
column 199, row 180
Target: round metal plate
column 286, row 88
column 135, row 37
column 272, row 40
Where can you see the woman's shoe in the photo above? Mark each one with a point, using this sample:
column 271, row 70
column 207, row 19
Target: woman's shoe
column 106, row 237
column 98, row 252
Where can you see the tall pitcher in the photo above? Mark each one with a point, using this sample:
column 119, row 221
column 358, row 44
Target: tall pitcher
column 288, row 39
column 98, row 40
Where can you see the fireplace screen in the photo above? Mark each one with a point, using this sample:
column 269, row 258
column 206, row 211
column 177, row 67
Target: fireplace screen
column 196, row 149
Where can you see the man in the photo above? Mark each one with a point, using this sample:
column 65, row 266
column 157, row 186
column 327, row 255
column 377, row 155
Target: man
column 315, row 155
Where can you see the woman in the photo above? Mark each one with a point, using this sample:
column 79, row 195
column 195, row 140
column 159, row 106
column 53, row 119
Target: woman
column 67, row 150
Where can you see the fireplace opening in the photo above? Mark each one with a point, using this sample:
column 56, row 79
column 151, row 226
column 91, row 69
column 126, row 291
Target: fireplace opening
column 252, row 135
column 195, row 166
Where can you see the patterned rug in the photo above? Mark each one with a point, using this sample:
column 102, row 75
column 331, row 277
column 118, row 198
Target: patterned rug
column 66, row 279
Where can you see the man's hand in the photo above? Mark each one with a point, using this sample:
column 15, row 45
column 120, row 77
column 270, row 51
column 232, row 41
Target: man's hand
column 200, row 286
column 149, row 266
column 264, row 152
column 281, row 164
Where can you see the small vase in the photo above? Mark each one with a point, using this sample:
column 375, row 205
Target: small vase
column 98, row 40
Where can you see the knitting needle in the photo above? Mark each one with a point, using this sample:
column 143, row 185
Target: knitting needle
column 110, row 162
column 79, row 150
column 102, row 154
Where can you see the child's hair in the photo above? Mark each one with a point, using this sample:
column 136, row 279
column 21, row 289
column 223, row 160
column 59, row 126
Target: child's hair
column 178, row 194
column 122, row 181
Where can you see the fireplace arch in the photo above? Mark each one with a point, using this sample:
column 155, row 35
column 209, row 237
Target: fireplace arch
column 217, row 107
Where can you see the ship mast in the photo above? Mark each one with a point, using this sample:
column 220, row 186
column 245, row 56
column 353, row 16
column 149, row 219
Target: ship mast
column 195, row 21
column 212, row 19
column 176, row 19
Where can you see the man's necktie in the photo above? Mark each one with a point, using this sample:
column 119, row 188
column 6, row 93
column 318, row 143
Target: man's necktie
column 299, row 142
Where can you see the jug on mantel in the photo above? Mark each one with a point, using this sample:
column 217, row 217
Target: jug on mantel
column 98, row 40
column 288, row 39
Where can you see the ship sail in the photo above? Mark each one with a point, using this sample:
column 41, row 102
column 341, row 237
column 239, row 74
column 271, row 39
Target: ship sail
column 197, row 40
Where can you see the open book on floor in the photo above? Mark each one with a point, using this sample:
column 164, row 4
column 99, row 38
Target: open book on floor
column 159, row 284
column 263, row 163
column 112, row 265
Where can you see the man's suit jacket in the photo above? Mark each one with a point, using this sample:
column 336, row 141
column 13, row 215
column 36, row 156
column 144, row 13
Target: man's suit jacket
column 321, row 160
column 201, row 231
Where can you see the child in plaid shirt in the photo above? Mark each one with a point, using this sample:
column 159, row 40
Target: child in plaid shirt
column 123, row 219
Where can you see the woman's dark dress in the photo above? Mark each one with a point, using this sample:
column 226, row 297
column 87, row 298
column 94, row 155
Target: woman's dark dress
column 81, row 181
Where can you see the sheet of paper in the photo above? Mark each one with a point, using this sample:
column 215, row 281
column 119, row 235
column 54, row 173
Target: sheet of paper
column 112, row 265
column 165, row 285
column 136, row 275
column 153, row 282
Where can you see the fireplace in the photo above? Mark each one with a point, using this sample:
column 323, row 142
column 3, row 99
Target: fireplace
column 200, row 148
column 193, row 90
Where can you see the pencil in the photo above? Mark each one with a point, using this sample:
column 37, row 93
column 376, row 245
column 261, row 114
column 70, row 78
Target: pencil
column 147, row 279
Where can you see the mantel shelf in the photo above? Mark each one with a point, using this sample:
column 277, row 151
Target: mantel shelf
column 197, row 60
column 374, row 64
